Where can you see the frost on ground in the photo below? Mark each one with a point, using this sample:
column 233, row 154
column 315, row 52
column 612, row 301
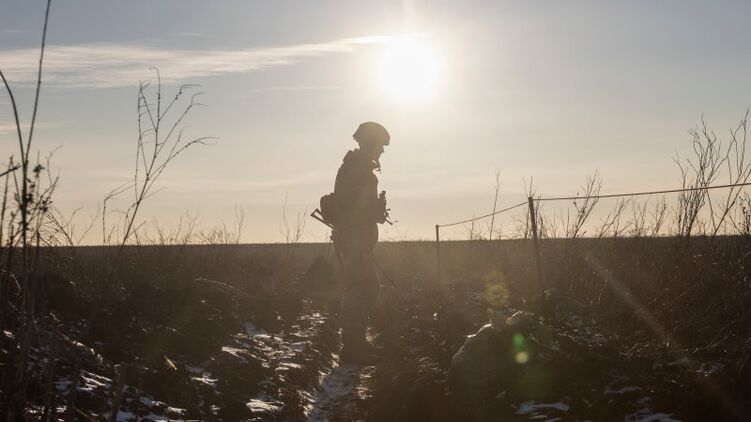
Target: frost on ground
column 206, row 357
column 340, row 392
column 542, row 410
column 290, row 356
column 646, row 414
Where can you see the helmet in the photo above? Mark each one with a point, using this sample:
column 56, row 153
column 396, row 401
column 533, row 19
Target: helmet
column 371, row 132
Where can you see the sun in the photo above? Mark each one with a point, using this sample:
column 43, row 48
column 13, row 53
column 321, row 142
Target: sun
column 409, row 68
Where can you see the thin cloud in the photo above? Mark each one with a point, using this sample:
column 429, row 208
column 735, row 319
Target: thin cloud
column 181, row 180
column 6, row 128
column 298, row 88
column 243, row 186
column 191, row 34
column 112, row 65
column 10, row 127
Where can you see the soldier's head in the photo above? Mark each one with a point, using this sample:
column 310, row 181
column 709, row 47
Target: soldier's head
column 372, row 137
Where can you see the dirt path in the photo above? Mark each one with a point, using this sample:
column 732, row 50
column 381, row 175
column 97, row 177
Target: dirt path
column 341, row 392
column 305, row 380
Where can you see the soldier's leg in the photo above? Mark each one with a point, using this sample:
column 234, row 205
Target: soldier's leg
column 371, row 284
column 351, row 316
column 359, row 297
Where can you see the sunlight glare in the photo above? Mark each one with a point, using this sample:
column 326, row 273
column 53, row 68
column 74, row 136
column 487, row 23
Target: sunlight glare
column 409, row 68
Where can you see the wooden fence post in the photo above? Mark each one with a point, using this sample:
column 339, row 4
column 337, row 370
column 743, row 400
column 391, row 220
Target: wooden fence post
column 438, row 251
column 536, row 245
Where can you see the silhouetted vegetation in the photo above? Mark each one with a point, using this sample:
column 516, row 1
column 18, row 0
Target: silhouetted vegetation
column 644, row 312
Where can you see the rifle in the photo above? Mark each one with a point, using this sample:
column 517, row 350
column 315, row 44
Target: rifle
column 318, row 216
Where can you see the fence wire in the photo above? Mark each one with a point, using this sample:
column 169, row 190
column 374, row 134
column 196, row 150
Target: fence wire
column 530, row 202
column 484, row 216
column 657, row 192
column 613, row 195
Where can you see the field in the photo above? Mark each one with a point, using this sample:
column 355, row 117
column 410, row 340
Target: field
column 635, row 311
column 632, row 328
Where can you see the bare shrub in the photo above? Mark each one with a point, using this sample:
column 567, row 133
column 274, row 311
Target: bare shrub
column 584, row 206
column 220, row 234
column 639, row 213
column 63, row 230
column 32, row 191
column 612, row 223
column 702, row 169
column 31, row 201
column 697, row 173
column 4, row 206
column 292, row 234
column 474, row 231
column 738, row 173
column 742, row 222
column 495, row 205
column 160, row 140
column 183, row 232
column 659, row 216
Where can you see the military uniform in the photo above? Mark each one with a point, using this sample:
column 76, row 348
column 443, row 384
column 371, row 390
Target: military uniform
column 355, row 237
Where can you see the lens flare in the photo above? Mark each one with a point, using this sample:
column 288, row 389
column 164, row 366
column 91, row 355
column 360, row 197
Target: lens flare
column 522, row 357
column 520, row 349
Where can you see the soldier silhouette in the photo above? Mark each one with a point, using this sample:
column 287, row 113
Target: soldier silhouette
column 359, row 210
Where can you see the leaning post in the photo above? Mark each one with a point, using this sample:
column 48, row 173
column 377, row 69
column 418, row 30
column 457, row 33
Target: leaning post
column 536, row 244
column 438, row 251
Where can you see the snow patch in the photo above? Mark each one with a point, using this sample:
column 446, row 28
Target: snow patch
column 530, row 406
column 264, row 405
column 710, row 368
column 622, row 390
column 205, row 378
column 339, row 392
column 236, row 352
column 646, row 415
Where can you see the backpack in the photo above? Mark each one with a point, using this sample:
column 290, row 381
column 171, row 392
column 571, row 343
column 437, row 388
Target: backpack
column 331, row 210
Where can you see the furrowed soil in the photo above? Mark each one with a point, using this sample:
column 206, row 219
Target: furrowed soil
column 195, row 335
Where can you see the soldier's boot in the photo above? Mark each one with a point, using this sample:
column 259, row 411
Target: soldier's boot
column 355, row 347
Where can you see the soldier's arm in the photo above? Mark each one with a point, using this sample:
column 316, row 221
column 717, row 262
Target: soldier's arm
column 375, row 206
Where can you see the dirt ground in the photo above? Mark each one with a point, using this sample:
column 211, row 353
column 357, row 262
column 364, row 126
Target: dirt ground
column 204, row 350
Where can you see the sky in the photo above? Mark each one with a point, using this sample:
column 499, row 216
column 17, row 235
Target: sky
column 551, row 91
